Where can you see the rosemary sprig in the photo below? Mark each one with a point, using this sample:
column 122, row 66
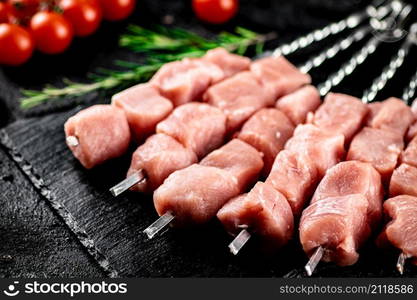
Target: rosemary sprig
column 160, row 46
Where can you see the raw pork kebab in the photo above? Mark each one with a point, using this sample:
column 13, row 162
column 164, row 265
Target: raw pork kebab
column 347, row 204
column 400, row 210
column 270, row 208
column 191, row 130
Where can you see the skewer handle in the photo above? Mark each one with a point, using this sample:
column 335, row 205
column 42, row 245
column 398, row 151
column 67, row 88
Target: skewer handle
column 376, row 10
column 387, row 73
column 314, row 260
column 159, row 224
column 339, row 46
column 240, row 240
column 126, row 184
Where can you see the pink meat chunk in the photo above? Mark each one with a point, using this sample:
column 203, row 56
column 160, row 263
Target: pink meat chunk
column 403, row 181
column 239, row 97
column 409, row 156
column 414, row 107
column 354, row 177
column 158, row 157
column 411, row 132
column 394, row 115
column 144, row 108
column 299, row 103
column 228, row 62
column 373, row 109
column 186, row 80
column 324, row 148
column 379, row 147
column 195, row 194
column 198, row 126
column 278, row 75
column 401, row 231
column 267, row 130
column 339, row 225
column 341, row 114
column 241, row 160
column 264, row 211
column 102, row 133
column 295, row 176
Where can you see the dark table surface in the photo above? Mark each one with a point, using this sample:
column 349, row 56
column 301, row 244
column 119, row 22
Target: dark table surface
column 57, row 219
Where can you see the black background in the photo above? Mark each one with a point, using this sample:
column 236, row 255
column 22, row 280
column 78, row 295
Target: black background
column 36, row 241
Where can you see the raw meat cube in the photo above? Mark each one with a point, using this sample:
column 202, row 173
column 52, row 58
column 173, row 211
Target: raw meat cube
column 264, row 211
column 324, row 148
column 299, row 103
column 242, row 161
column 379, row 147
column 295, row 176
column 403, row 181
column 198, row 126
column 228, row 62
column 338, row 224
column 409, row 156
column 186, row 80
column 401, row 231
column 158, row 157
column 239, row 97
column 97, row 134
column 278, row 75
column 195, row 194
column 267, row 130
column 394, row 115
column 144, row 108
column 354, row 177
column 341, row 113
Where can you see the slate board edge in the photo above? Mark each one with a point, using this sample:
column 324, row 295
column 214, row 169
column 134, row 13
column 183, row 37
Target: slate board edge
column 38, row 183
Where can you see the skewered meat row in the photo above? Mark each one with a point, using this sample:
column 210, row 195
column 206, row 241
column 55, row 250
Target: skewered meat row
column 145, row 105
column 401, row 209
column 228, row 92
column 295, row 173
column 334, row 225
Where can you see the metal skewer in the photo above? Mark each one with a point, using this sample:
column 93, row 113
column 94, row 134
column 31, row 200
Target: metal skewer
column 162, row 222
column 401, row 262
column 360, row 57
column 72, row 141
column 376, row 10
column 240, row 240
column 314, row 260
column 126, row 184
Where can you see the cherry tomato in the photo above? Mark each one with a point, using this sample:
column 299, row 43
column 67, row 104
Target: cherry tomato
column 84, row 15
column 4, row 12
column 114, row 10
column 51, row 31
column 215, row 11
column 16, row 45
column 23, row 10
